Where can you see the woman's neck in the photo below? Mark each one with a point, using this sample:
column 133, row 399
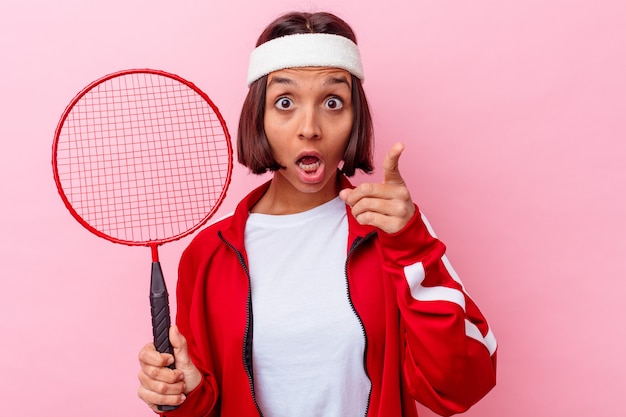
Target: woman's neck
column 283, row 198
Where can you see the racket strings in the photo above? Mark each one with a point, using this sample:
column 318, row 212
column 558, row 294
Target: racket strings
column 143, row 158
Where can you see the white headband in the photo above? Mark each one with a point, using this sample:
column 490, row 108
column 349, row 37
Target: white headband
column 305, row 50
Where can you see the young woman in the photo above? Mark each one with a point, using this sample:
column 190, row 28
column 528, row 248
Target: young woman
column 315, row 298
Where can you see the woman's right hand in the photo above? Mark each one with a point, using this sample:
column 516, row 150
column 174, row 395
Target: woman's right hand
column 160, row 385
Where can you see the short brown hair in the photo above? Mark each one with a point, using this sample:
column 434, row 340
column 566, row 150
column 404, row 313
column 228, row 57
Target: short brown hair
column 253, row 149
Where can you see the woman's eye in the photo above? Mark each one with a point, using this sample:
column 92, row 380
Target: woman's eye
column 334, row 103
column 284, row 103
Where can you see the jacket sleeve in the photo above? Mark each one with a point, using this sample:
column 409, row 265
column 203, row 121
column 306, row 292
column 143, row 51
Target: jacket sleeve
column 201, row 401
column 449, row 357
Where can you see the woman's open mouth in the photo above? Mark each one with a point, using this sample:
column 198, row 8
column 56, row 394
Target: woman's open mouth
column 310, row 169
column 309, row 164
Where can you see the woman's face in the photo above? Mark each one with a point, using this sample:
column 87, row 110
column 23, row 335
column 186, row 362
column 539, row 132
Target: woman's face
column 308, row 121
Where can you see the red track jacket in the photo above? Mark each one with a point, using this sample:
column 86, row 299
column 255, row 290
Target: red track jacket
column 425, row 338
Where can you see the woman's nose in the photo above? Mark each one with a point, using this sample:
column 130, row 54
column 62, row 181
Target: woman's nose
column 309, row 127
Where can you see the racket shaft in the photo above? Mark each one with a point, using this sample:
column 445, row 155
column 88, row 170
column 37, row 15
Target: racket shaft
column 160, row 309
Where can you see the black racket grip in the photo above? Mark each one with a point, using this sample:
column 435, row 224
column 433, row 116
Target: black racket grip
column 160, row 311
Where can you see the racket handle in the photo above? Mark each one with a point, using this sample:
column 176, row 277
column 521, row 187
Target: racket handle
column 160, row 310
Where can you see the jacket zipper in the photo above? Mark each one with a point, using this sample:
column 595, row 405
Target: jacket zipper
column 355, row 245
column 246, row 352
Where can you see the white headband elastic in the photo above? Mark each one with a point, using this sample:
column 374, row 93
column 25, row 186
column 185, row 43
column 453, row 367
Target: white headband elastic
column 305, row 50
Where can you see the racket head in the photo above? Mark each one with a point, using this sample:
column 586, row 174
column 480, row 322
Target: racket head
column 142, row 157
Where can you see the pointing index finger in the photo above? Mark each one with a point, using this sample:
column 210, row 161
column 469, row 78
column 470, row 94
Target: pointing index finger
column 391, row 171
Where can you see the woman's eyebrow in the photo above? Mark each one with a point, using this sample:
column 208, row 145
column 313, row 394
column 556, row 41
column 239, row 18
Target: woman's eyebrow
column 336, row 80
column 280, row 80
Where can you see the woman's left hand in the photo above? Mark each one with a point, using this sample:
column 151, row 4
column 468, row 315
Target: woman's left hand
column 387, row 205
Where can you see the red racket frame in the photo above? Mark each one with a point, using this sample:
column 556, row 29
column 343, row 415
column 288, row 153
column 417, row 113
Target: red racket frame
column 152, row 244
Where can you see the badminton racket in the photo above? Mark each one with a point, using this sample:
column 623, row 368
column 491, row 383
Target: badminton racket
column 143, row 157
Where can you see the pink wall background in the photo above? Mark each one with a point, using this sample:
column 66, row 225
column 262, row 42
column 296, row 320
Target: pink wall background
column 514, row 116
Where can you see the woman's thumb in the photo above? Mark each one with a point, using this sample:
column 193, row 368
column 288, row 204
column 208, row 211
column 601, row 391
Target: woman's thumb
column 191, row 374
column 179, row 344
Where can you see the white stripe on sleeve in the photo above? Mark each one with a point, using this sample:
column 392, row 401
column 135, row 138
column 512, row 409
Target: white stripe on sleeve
column 471, row 330
column 415, row 275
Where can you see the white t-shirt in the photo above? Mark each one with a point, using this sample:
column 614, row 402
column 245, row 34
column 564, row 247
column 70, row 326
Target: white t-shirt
column 308, row 343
